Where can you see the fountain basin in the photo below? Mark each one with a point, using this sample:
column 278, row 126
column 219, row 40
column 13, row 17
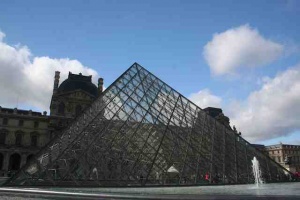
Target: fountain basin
column 249, row 191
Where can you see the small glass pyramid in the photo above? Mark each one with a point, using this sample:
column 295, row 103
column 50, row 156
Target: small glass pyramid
column 134, row 133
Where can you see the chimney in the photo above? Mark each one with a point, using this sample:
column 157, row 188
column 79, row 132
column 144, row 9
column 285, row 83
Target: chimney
column 56, row 81
column 100, row 86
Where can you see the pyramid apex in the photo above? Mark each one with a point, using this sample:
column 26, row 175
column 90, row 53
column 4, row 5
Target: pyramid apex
column 133, row 132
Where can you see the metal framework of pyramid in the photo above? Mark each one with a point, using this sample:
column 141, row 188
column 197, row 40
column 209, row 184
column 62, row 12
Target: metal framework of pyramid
column 140, row 131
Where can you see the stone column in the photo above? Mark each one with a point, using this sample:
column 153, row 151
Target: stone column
column 5, row 162
column 56, row 81
column 100, row 86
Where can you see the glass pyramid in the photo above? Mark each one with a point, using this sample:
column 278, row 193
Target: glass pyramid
column 140, row 131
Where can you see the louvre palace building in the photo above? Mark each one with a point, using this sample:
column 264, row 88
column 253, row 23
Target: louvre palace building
column 24, row 132
column 137, row 132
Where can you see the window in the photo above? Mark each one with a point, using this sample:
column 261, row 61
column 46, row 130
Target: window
column 14, row 162
column 1, row 160
column 19, row 139
column 5, row 121
column 51, row 134
column 36, row 124
column 78, row 110
column 21, row 122
column 3, row 134
column 61, row 108
column 34, row 140
column 29, row 158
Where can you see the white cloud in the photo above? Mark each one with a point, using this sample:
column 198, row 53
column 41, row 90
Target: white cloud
column 2, row 35
column 272, row 111
column 204, row 99
column 240, row 47
column 28, row 80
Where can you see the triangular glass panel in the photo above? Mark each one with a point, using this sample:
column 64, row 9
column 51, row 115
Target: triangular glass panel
column 140, row 131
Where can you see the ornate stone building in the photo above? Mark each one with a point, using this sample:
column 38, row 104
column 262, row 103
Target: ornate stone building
column 71, row 97
column 24, row 132
column 286, row 155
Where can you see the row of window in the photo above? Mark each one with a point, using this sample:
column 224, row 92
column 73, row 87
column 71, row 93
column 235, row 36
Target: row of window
column 19, row 138
column 61, row 109
column 14, row 161
column 277, row 159
column 286, row 152
column 292, row 159
column 20, row 123
column 273, row 152
column 291, row 152
column 295, row 159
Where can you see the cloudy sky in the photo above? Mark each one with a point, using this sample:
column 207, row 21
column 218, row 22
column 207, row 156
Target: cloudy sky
column 241, row 56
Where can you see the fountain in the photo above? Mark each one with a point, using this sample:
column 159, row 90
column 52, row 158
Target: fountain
column 95, row 171
column 256, row 171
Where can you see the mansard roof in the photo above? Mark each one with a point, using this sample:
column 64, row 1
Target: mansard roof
column 78, row 82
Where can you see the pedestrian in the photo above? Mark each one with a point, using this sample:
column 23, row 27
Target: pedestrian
column 207, row 177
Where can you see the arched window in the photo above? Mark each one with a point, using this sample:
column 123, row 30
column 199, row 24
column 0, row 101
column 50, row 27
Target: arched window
column 78, row 110
column 36, row 124
column 1, row 160
column 21, row 122
column 3, row 134
column 19, row 136
column 14, row 162
column 61, row 108
column 29, row 158
column 34, row 140
column 5, row 121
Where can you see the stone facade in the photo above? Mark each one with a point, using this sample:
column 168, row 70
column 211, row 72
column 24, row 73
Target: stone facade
column 24, row 132
column 286, row 155
column 70, row 98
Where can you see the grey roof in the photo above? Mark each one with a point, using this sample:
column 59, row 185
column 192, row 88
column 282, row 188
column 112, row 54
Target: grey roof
column 75, row 82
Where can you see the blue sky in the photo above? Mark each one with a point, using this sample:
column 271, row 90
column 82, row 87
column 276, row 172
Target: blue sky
column 258, row 43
